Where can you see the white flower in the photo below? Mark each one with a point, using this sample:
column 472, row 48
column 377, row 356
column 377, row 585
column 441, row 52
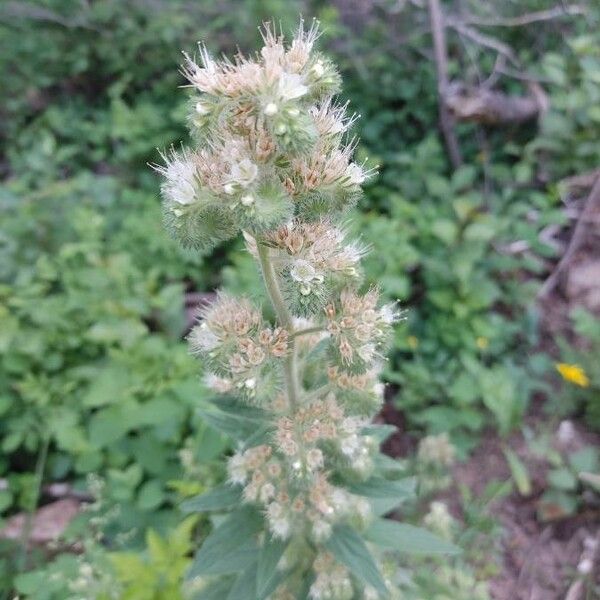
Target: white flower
column 180, row 178
column 355, row 174
column 271, row 109
column 318, row 69
column 388, row 313
column 367, row 352
column 247, row 200
column 280, row 527
column 350, row 445
column 244, row 172
column 439, row 519
column 202, row 339
column 237, row 469
column 202, row 108
column 291, row 86
column 363, row 508
column 303, row 272
column 339, row 499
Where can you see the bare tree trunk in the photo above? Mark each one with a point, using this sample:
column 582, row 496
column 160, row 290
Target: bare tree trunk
column 436, row 19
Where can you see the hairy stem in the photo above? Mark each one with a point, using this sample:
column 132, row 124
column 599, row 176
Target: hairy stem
column 290, row 367
column 308, row 330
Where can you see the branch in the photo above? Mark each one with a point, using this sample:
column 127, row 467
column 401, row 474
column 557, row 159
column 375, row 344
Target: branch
column 484, row 40
column 24, row 10
column 490, row 107
column 528, row 18
column 441, row 63
column 592, row 204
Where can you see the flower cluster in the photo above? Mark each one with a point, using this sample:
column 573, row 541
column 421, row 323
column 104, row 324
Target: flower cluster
column 239, row 348
column 332, row 579
column 314, row 260
column 273, row 159
column 294, row 505
column 272, row 145
column 359, row 328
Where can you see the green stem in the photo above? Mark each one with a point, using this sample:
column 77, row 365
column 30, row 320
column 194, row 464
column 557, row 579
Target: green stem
column 290, row 367
column 40, row 466
column 308, row 330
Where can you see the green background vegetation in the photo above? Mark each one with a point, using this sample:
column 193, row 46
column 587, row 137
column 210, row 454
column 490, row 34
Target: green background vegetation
column 93, row 367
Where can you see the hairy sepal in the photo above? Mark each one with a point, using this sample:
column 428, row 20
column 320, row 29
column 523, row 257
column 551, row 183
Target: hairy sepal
column 264, row 208
column 200, row 225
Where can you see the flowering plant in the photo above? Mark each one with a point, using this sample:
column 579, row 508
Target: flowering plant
column 307, row 485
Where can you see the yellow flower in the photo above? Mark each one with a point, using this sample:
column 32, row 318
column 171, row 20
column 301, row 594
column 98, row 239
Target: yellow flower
column 413, row 342
column 573, row 373
column 482, row 343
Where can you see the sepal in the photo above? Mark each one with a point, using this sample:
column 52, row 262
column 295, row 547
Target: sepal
column 263, row 208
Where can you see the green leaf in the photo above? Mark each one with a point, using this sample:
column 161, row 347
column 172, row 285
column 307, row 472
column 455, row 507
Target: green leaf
column 230, row 547
column 377, row 487
column 562, row 479
column 108, row 386
column 234, row 419
column 267, row 575
column 215, row 591
column 222, row 497
column 386, row 464
column 556, row 504
column 244, row 587
column 586, row 459
column 151, row 495
column 379, row 432
column 518, row 471
column 107, row 426
column 350, row 549
column 382, row 506
column 402, row 537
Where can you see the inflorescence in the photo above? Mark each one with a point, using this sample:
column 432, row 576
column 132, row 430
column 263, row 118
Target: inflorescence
column 273, row 159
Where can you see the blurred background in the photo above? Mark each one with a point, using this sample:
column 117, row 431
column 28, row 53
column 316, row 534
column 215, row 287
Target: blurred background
column 484, row 222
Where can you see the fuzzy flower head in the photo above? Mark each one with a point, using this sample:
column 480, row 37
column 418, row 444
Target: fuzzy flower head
column 359, row 329
column 270, row 146
column 239, row 349
column 315, row 261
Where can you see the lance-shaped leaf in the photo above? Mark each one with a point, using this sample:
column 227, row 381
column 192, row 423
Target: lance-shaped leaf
column 216, row 590
column 378, row 487
column 402, row 537
column 379, row 432
column 233, row 419
column 384, row 494
column 267, row 575
column 222, row 497
column 349, row 548
column 230, row 547
column 244, row 587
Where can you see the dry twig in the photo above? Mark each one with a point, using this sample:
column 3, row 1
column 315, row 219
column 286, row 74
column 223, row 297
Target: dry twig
column 591, row 204
column 528, row 18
